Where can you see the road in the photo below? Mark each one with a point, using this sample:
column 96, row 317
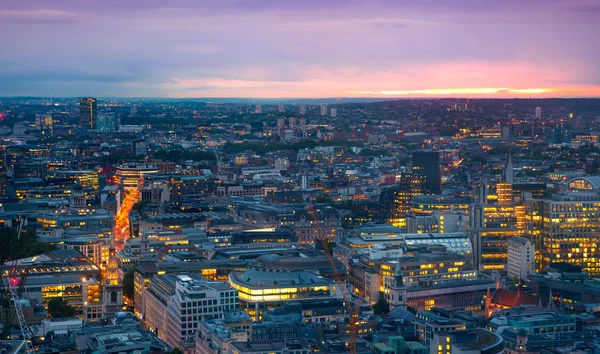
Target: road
column 122, row 218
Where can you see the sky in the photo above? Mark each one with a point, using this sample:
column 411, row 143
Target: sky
column 300, row 48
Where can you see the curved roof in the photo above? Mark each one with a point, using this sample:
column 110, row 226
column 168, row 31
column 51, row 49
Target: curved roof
column 594, row 181
column 256, row 277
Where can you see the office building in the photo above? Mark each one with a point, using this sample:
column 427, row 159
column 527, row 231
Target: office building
column 521, row 258
column 395, row 202
column 281, row 108
column 428, row 323
column 379, row 270
column 107, row 122
column 426, row 164
column 62, row 273
column 570, row 231
column 174, row 305
column 44, row 123
column 467, row 341
column 261, row 289
column 88, row 112
column 495, row 219
column 258, row 109
column 333, row 112
column 131, row 174
column 538, row 112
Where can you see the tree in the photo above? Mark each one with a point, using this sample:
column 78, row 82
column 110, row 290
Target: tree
column 28, row 245
column 175, row 351
column 128, row 282
column 382, row 307
column 58, row 308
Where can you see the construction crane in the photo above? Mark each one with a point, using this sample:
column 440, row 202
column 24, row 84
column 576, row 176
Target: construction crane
column 14, row 284
column 351, row 307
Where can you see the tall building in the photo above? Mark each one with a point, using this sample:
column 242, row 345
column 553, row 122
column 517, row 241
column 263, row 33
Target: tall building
column 323, row 107
column 333, row 112
column 570, row 230
column 395, row 202
column 427, row 165
column 258, row 109
column 88, row 112
column 280, row 127
column 302, row 109
column 281, row 108
column 2, row 171
column 538, row 112
column 495, row 219
column 521, row 258
column 107, row 122
column 302, row 122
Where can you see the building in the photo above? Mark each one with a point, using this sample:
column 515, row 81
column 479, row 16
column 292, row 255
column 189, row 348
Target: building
column 86, row 178
column 44, row 122
column 139, row 147
column 261, row 289
column 214, row 337
column 130, row 175
column 427, row 165
column 107, row 122
column 3, row 171
column 496, row 217
column 302, row 109
column 268, row 347
column 112, row 299
column 428, row 324
column 323, row 108
column 521, row 258
column 281, row 108
column 467, row 341
column 62, row 273
column 333, row 112
column 88, row 112
column 395, row 202
column 95, row 249
column 570, row 231
column 323, row 224
column 176, row 304
column 258, row 109
column 538, row 112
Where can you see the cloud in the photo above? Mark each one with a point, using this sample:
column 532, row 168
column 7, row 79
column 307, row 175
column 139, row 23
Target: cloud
column 296, row 47
column 38, row 16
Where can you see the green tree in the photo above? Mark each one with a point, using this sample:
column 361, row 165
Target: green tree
column 28, row 245
column 58, row 308
column 175, row 351
column 128, row 282
column 382, row 307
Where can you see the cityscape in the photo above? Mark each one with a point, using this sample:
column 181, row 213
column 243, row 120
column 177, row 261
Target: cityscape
column 264, row 178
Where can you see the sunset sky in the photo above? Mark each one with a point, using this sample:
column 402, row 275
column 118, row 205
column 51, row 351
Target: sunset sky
column 300, row 48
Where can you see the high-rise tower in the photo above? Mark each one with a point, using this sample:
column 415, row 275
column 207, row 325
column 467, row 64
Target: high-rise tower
column 88, row 112
column 427, row 165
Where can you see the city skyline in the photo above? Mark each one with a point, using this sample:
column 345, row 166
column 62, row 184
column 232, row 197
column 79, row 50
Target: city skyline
column 293, row 49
